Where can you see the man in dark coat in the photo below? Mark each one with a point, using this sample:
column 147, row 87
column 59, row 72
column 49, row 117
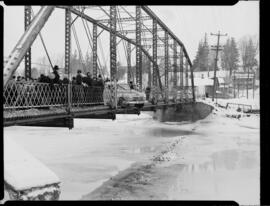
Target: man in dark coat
column 79, row 77
column 89, row 79
column 56, row 79
column 147, row 92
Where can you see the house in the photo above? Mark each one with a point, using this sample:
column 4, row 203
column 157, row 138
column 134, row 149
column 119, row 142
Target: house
column 243, row 79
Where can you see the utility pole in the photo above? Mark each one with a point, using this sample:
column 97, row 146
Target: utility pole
column 217, row 49
column 205, row 42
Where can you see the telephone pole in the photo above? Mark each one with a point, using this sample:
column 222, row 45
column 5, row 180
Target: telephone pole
column 217, row 49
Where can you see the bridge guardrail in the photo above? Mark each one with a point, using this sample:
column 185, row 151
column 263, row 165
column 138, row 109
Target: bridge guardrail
column 23, row 95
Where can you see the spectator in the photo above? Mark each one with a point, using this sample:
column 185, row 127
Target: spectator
column 56, row 79
column 79, row 77
column 100, row 88
column 100, row 82
column 88, row 79
column 131, row 85
column 73, row 80
column 147, row 92
column 65, row 80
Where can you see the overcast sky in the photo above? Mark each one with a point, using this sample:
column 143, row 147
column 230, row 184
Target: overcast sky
column 189, row 23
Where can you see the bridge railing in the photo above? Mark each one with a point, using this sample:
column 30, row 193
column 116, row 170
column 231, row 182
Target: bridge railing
column 22, row 95
column 25, row 95
column 84, row 95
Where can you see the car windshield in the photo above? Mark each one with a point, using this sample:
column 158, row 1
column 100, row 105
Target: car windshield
column 123, row 86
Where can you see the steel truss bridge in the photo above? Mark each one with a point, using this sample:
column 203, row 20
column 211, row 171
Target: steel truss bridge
column 137, row 27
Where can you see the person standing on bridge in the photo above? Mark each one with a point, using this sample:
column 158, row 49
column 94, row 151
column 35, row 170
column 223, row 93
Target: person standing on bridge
column 147, row 92
column 79, row 92
column 56, row 79
column 88, row 91
column 100, row 85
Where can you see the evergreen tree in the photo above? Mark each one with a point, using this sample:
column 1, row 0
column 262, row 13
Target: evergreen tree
column 201, row 61
column 230, row 56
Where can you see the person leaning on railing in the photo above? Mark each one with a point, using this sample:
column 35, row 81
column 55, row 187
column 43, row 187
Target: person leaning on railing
column 79, row 92
column 100, row 85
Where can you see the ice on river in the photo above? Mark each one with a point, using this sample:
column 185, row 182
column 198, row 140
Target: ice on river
column 95, row 150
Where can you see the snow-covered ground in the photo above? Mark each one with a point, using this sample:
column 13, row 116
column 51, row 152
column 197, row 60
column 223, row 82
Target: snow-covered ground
column 94, row 150
column 218, row 158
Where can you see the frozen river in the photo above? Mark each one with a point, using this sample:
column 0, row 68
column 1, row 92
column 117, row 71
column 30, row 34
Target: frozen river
column 222, row 153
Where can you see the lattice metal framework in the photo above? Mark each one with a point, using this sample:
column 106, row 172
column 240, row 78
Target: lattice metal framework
column 129, row 63
column 95, row 65
column 181, row 71
column 113, row 57
column 67, row 40
column 186, row 77
column 149, row 84
column 166, row 63
column 27, row 58
column 138, row 49
column 154, row 79
column 174, row 64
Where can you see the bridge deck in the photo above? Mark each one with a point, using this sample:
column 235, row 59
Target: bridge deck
column 15, row 117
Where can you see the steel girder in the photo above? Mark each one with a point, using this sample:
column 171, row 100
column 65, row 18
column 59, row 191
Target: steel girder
column 138, row 49
column 90, row 19
column 113, row 57
column 158, row 45
column 174, row 64
column 166, row 63
column 25, row 42
column 149, row 12
column 125, row 19
column 129, row 77
column 149, row 84
column 186, row 72
column 143, row 30
column 67, row 40
column 181, row 71
column 27, row 57
column 154, row 79
column 68, row 54
column 95, row 50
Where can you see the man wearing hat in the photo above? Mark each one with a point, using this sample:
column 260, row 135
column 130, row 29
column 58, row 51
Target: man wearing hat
column 56, row 79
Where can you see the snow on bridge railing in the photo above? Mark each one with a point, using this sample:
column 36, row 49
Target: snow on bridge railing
column 24, row 95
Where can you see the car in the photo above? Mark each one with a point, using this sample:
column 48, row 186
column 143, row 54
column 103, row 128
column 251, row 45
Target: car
column 125, row 96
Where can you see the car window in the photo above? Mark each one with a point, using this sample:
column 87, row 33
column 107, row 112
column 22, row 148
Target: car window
column 123, row 86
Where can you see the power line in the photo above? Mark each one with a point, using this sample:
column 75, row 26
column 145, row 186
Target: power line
column 217, row 49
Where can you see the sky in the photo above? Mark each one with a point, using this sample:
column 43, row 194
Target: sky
column 188, row 23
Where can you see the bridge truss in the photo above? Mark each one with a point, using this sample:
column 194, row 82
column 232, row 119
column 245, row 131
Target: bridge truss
column 137, row 27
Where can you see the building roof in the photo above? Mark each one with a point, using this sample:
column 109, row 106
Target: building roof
column 220, row 73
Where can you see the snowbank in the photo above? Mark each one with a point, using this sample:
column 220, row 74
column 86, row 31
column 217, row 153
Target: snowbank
column 25, row 176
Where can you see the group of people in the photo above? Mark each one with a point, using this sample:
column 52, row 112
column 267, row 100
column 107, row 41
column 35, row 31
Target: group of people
column 86, row 89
